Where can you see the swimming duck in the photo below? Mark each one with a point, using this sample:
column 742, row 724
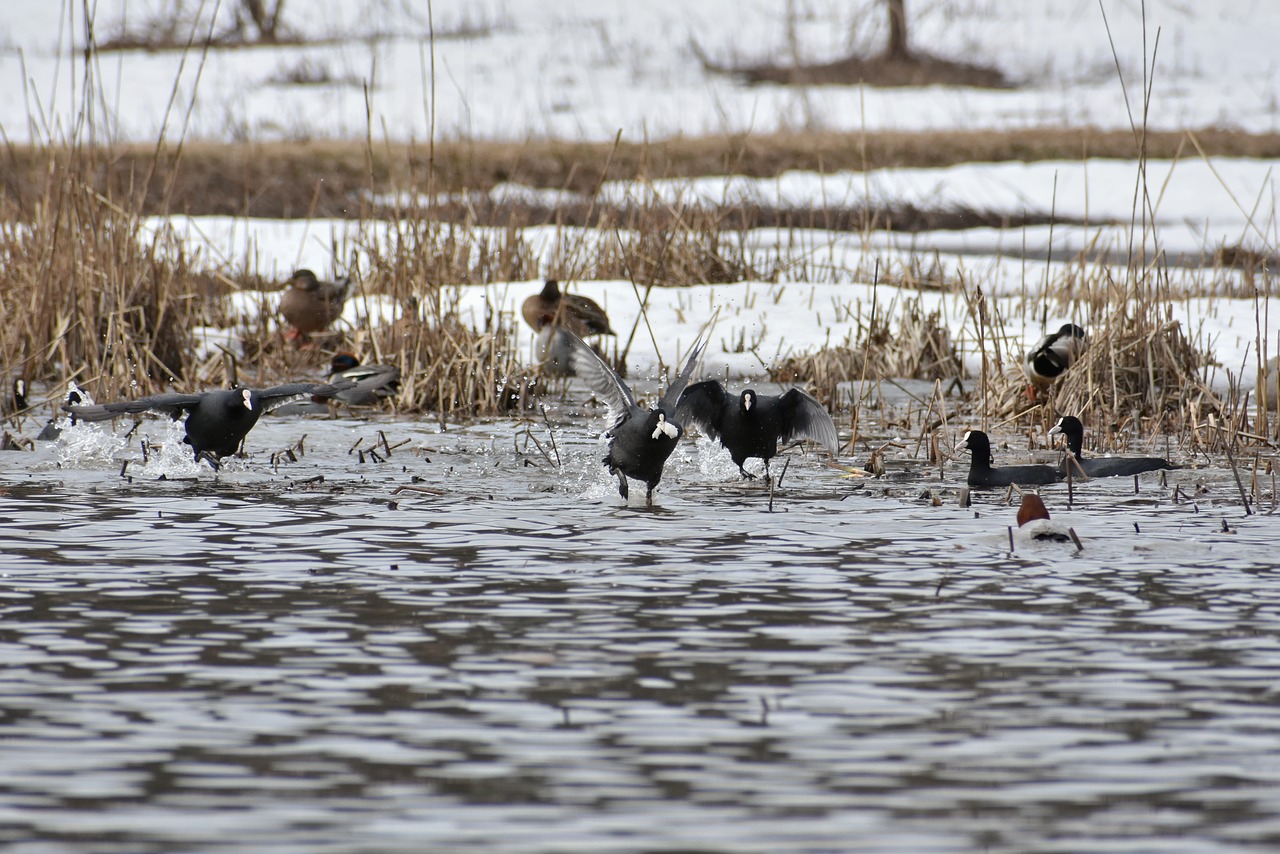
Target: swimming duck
column 369, row 383
column 1054, row 353
column 217, row 421
column 580, row 315
column 310, row 305
column 640, row 440
column 1034, row 522
column 752, row 425
column 983, row 474
column 1072, row 430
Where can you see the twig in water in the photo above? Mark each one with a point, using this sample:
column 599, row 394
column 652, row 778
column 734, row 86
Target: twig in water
column 423, row 489
column 1075, row 539
column 1244, row 496
column 551, row 434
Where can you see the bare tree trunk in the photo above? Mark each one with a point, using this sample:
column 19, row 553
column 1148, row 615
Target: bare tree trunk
column 897, row 48
column 266, row 23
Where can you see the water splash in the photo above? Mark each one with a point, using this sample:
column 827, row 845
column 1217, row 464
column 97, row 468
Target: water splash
column 85, row 445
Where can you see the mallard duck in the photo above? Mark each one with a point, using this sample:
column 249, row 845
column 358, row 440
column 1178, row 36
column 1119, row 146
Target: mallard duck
column 1054, row 354
column 309, row 305
column 580, row 315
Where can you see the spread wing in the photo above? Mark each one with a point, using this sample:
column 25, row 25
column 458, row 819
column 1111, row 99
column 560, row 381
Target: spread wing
column 806, row 418
column 704, row 404
column 172, row 405
column 603, row 379
column 277, row 396
column 674, row 391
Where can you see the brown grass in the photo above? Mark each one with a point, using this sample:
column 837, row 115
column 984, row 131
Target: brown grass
column 335, row 179
column 92, row 295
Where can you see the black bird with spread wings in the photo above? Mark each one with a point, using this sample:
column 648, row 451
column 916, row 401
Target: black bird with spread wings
column 217, row 421
column 751, row 425
column 640, row 440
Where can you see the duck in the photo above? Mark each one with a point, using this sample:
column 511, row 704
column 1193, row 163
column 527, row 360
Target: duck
column 1034, row 522
column 640, row 440
column 310, row 305
column 1054, row 354
column 1072, row 430
column 369, row 383
column 1269, row 384
column 752, row 424
column 217, row 421
column 983, row 474
column 580, row 315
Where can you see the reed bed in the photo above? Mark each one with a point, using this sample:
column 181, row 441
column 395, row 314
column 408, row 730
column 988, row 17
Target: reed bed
column 94, row 294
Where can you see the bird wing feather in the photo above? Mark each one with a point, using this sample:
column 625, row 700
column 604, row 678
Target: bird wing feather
column 172, row 405
column 808, row 419
column 278, row 396
column 704, row 404
column 669, row 400
column 603, row 379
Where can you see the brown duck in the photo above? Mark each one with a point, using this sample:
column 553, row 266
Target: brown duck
column 580, row 315
column 310, row 305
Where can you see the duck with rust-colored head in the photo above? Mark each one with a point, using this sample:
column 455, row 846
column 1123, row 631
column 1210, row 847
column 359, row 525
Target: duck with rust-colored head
column 1034, row 522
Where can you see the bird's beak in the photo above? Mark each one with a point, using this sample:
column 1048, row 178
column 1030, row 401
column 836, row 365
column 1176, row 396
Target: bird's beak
column 665, row 426
column 246, row 397
column 963, row 444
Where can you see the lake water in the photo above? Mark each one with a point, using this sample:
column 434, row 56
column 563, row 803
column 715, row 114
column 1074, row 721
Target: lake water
column 328, row 657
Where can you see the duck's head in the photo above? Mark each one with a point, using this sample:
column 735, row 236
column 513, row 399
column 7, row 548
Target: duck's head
column 304, row 280
column 1032, row 508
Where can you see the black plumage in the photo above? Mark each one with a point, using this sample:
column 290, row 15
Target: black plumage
column 640, row 440
column 983, row 474
column 1072, row 430
column 1054, row 353
column 217, row 421
column 752, row 425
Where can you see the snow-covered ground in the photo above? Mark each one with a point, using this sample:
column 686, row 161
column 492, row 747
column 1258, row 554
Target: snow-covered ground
column 587, row 69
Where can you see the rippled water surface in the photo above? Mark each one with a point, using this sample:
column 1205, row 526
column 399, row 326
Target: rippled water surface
column 462, row 646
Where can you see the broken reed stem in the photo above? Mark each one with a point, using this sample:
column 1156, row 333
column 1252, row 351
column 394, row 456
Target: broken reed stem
column 1235, row 471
